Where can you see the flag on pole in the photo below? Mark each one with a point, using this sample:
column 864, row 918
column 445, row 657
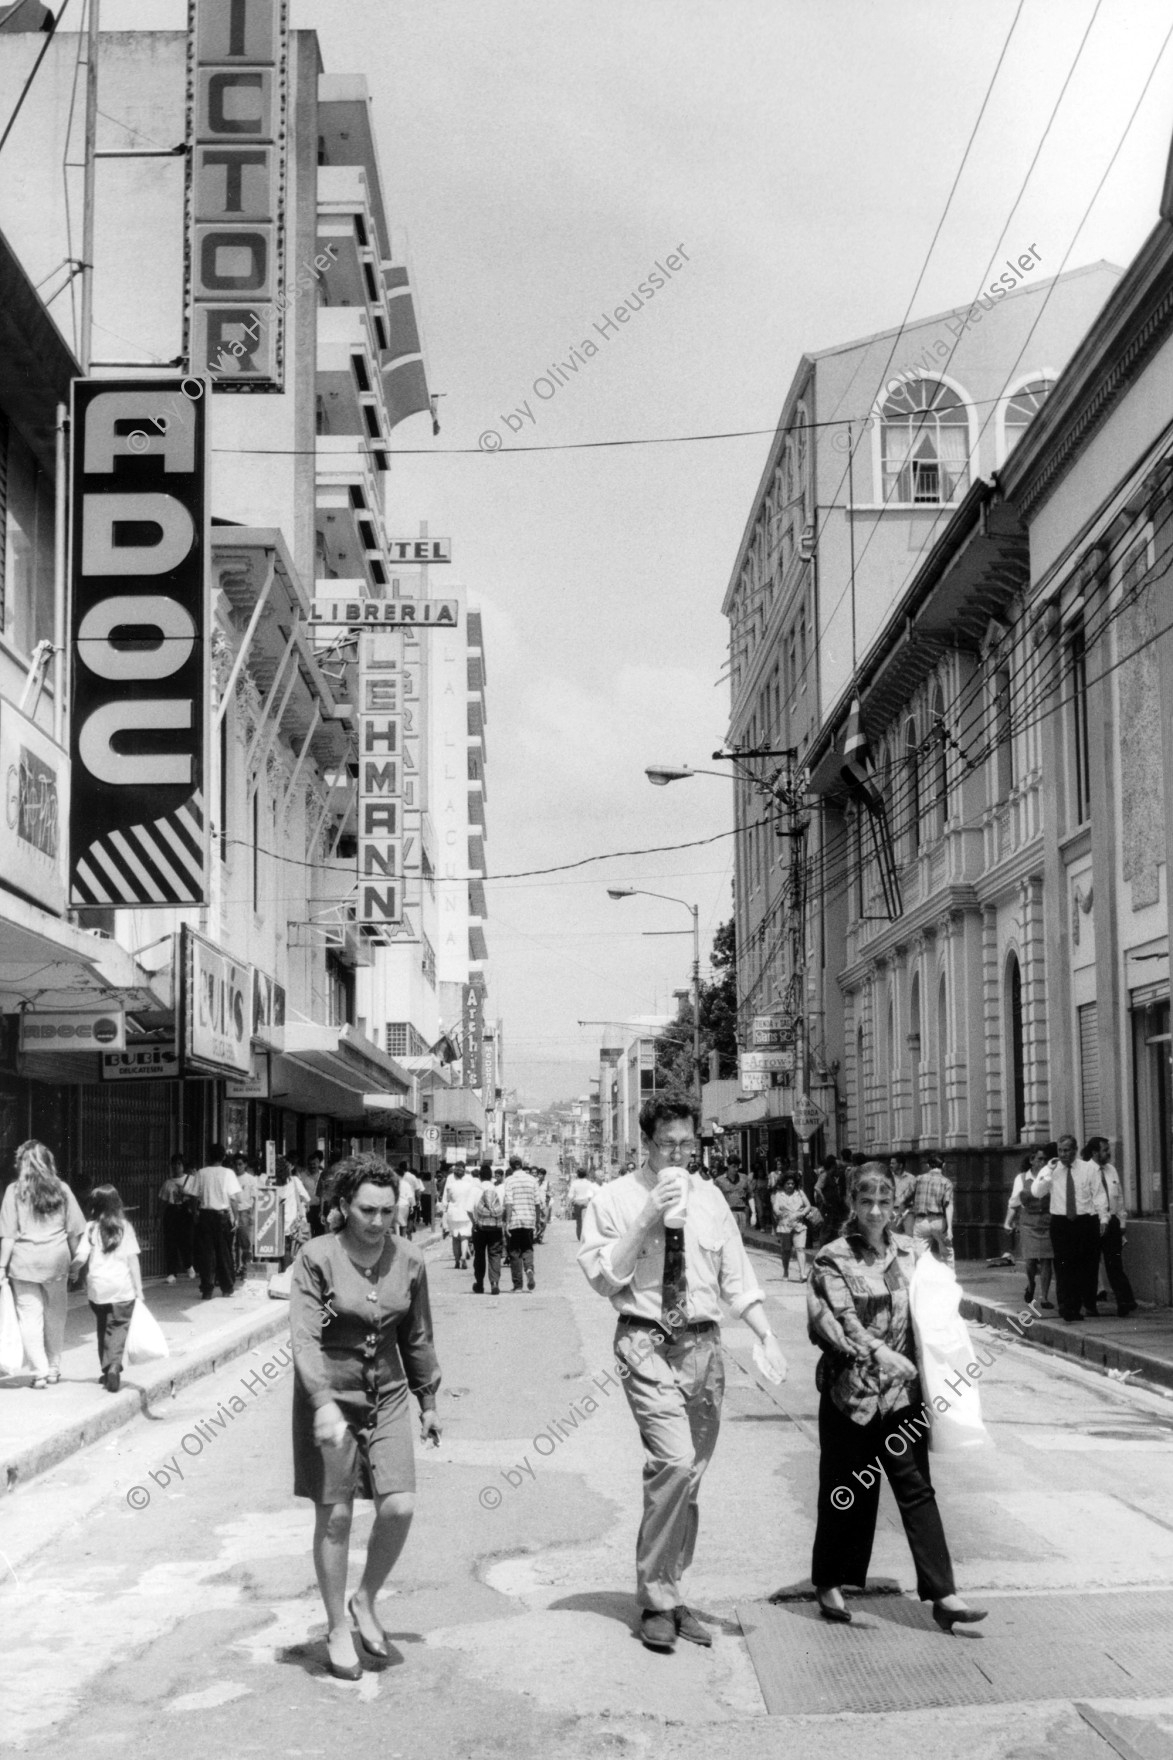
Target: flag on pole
column 857, row 764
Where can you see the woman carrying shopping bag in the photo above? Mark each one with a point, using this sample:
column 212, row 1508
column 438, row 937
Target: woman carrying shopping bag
column 110, row 1252
column 858, row 1315
column 40, row 1226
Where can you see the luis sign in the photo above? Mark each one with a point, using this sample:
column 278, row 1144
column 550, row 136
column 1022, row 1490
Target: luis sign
column 140, row 643
column 216, row 1009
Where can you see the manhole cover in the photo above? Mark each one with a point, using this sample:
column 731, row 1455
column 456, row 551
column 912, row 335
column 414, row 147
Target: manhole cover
column 1115, row 1646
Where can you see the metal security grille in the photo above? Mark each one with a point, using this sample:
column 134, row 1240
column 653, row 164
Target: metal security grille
column 1089, row 1069
column 126, row 1142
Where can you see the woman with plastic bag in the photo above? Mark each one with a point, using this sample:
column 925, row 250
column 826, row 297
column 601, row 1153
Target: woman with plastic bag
column 871, row 1417
column 40, row 1226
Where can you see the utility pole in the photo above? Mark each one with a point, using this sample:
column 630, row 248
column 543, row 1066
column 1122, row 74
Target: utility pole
column 696, row 1010
column 85, row 346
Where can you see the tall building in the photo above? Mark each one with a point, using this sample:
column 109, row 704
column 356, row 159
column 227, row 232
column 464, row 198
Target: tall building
column 242, row 243
column 880, row 442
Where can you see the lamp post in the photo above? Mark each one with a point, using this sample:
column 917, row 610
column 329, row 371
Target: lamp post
column 694, row 912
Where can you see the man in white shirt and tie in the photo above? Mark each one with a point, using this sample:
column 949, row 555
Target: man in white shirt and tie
column 1079, row 1216
column 663, row 1247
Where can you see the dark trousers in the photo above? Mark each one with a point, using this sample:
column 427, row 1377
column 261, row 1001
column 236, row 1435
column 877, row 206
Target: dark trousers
column 213, row 1251
column 852, row 1456
column 521, row 1255
column 487, row 1244
column 1112, row 1249
column 113, row 1325
column 177, row 1233
column 579, row 1213
column 1075, row 1242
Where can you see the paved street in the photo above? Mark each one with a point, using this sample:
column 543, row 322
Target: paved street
column 192, row 1625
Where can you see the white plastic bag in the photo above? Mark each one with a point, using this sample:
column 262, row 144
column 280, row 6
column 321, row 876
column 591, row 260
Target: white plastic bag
column 11, row 1349
column 947, row 1362
column 145, row 1341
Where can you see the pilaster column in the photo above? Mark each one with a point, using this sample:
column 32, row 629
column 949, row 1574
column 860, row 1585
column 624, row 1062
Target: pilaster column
column 992, row 1015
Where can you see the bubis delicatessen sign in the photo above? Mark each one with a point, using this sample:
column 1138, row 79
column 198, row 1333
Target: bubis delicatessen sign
column 216, row 1009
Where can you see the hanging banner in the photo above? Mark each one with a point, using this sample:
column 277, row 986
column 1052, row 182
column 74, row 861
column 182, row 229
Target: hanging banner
column 140, row 642
column 215, row 1013
column 238, row 71
column 35, row 776
column 473, row 1034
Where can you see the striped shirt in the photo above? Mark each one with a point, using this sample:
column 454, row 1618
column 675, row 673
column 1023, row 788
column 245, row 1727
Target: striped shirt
column 520, row 1192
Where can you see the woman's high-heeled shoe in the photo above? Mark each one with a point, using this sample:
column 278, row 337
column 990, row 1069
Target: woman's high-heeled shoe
column 948, row 1617
column 841, row 1616
column 342, row 1671
column 378, row 1650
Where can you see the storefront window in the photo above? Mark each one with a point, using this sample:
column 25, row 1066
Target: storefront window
column 1153, row 1093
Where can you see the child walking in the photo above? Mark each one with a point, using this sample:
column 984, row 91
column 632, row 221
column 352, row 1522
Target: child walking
column 110, row 1253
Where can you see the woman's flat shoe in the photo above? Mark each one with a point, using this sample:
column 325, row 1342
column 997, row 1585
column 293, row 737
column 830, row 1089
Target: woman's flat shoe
column 40, row 1382
column 948, row 1617
column 378, row 1650
column 343, row 1671
column 840, row 1616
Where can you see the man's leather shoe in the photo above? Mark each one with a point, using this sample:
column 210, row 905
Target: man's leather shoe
column 657, row 1630
column 689, row 1626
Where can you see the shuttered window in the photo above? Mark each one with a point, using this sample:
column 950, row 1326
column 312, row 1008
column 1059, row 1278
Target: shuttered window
column 1089, row 1069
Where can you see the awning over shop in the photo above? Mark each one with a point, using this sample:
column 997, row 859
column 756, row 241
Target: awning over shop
column 458, row 1108
column 335, row 1071
column 774, row 1103
column 46, row 962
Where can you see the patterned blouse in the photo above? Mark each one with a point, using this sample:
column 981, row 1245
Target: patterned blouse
column 855, row 1301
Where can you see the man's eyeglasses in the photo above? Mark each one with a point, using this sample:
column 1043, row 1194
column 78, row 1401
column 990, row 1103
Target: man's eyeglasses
column 686, row 1148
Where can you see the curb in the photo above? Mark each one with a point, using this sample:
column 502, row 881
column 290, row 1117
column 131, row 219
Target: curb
column 160, row 1381
column 1066, row 1341
column 1091, row 1350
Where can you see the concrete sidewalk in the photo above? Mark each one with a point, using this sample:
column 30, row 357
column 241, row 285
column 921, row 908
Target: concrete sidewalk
column 1140, row 1346
column 39, row 1427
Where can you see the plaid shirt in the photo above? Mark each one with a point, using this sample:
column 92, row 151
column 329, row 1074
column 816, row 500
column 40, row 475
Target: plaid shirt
column 933, row 1192
column 868, row 1302
column 520, row 1192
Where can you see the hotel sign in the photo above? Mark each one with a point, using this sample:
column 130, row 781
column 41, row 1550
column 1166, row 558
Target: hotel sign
column 420, row 549
column 238, row 61
column 140, row 641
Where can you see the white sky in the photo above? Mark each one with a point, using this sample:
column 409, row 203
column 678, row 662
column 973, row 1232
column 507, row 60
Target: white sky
column 541, row 155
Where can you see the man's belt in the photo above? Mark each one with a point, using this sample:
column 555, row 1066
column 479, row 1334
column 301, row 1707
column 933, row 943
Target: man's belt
column 688, row 1326
column 928, row 1215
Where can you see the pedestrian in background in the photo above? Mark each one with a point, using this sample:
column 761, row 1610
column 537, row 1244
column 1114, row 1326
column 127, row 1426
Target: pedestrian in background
column 361, row 1331
column 245, row 1216
column 868, row 1382
column 313, row 1180
column 1032, row 1217
column 932, row 1207
column 790, row 1213
column 408, row 1194
column 732, row 1188
column 488, row 1233
column 582, row 1190
column 1079, row 1216
column 1099, row 1150
column 461, row 1192
column 109, row 1251
column 177, row 1216
column 831, row 1198
column 217, row 1192
column 666, row 1284
column 520, row 1193
column 40, row 1226
column 904, row 1182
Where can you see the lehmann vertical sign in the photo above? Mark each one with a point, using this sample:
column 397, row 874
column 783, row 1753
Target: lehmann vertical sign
column 139, row 639
column 237, row 103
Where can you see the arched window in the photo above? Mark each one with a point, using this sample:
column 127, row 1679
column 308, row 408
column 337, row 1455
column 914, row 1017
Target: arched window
column 1021, row 410
column 924, row 443
column 1016, row 1048
column 912, row 788
column 940, row 762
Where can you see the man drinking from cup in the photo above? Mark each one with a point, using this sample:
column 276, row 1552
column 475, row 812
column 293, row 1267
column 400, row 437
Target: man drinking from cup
column 663, row 1246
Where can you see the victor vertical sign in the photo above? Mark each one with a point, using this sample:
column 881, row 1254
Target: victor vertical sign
column 140, row 636
column 239, row 54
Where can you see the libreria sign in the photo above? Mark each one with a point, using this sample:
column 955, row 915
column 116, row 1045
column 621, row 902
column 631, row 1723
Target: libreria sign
column 138, row 641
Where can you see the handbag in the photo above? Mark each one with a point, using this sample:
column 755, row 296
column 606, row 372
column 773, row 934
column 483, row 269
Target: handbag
column 11, row 1348
column 952, row 1397
column 144, row 1341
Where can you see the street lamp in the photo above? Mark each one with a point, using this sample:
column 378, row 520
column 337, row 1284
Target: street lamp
column 694, row 912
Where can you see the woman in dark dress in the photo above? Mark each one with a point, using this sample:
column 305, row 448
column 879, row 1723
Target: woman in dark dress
column 362, row 1341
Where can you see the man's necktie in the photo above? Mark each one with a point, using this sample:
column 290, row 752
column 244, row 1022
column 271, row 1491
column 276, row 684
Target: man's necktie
column 1071, row 1211
column 675, row 1288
